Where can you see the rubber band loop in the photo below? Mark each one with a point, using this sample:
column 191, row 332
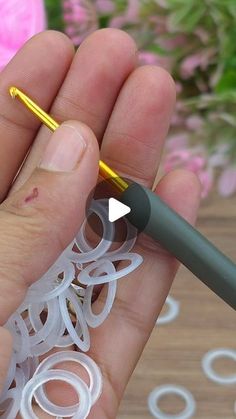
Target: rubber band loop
column 161, row 391
column 19, row 331
column 95, row 376
column 50, row 296
column 50, row 285
column 86, row 278
column 83, row 408
column 210, row 357
column 10, row 377
column 28, row 367
column 126, row 246
column 172, row 312
column 89, row 254
column 11, row 401
column 69, row 295
column 48, row 334
column 95, row 320
column 43, row 330
column 12, row 408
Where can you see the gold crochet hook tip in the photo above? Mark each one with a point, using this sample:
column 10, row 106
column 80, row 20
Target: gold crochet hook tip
column 105, row 171
column 13, row 92
column 34, row 108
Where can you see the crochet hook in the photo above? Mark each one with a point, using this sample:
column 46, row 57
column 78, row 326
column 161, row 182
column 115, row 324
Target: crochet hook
column 152, row 216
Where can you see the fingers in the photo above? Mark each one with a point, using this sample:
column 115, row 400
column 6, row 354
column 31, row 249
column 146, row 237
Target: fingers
column 139, row 124
column 91, row 87
column 46, row 213
column 119, row 342
column 39, row 68
column 99, row 69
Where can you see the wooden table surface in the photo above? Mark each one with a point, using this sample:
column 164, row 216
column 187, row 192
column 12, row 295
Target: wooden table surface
column 174, row 352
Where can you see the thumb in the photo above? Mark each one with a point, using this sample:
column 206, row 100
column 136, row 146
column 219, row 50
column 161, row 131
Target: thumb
column 39, row 221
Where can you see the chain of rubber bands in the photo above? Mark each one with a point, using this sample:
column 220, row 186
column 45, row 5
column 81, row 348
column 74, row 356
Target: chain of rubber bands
column 56, row 313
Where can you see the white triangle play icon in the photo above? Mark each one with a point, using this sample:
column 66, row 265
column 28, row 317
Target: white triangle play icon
column 117, row 210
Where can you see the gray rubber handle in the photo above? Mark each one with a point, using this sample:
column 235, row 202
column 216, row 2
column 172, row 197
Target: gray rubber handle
column 189, row 246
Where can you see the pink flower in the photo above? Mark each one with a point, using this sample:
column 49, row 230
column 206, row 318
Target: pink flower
column 177, row 142
column 117, row 22
column 201, row 60
column 19, row 22
column 177, row 120
column 81, row 19
column 194, row 122
column 132, row 12
column 206, row 179
column 146, row 57
column 202, row 34
column 105, row 6
column 170, row 44
column 159, row 24
column 220, row 156
column 176, row 158
column 227, row 182
column 179, row 87
column 193, row 160
column 131, row 15
column 190, row 64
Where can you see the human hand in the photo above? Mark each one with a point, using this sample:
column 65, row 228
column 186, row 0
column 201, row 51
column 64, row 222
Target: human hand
column 128, row 109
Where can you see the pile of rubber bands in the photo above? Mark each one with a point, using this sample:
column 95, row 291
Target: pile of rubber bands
column 56, row 313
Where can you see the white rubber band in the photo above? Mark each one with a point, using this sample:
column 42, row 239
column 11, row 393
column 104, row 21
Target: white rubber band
column 11, row 402
column 126, row 246
column 34, row 336
column 50, row 286
column 210, row 357
column 83, row 408
column 11, row 408
column 19, row 378
column 129, row 242
column 43, row 330
column 171, row 313
column 28, row 367
column 19, row 331
column 45, row 335
column 89, row 254
column 64, row 340
column 69, row 295
column 94, row 373
column 95, row 320
column 86, row 278
column 10, row 377
column 161, row 391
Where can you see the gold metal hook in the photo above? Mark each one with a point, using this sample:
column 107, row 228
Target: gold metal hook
column 105, row 171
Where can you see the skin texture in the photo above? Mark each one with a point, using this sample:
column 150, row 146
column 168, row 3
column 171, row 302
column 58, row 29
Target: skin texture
column 119, row 106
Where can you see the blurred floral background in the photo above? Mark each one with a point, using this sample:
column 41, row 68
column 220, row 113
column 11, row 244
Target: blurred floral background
column 194, row 40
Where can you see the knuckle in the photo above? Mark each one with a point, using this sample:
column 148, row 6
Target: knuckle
column 23, row 221
column 30, row 229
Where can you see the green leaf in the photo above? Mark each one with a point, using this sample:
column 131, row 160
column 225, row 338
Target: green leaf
column 54, row 13
column 104, row 21
column 186, row 17
column 156, row 49
column 121, row 5
column 227, row 82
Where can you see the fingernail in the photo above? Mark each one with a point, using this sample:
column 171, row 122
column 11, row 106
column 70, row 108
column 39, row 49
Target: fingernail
column 64, row 150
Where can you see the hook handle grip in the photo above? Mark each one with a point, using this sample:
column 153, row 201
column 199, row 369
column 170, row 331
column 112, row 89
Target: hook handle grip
column 177, row 236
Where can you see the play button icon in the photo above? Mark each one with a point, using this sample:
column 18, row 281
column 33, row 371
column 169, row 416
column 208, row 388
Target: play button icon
column 117, row 210
column 106, row 210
